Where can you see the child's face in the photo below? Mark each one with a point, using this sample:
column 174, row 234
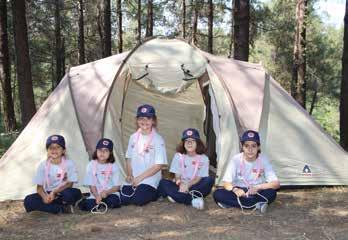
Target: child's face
column 250, row 150
column 190, row 145
column 55, row 151
column 145, row 123
column 103, row 155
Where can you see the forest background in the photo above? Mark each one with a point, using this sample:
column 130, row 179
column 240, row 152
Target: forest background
column 66, row 33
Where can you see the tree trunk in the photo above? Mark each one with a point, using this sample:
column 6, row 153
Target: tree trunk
column 210, row 26
column 59, row 42
column 149, row 23
column 107, row 28
column 25, row 84
column 81, row 37
column 183, row 23
column 5, row 73
column 344, row 87
column 298, row 83
column 119, row 23
column 100, row 26
column 139, row 22
column 241, row 18
column 231, row 33
column 194, row 23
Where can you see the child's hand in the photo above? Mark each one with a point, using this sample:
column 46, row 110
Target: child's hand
column 51, row 196
column 129, row 179
column 239, row 192
column 136, row 181
column 103, row 194
column 98, row 199
column 252, row 190
column 177, row 182
column 46, row 199
column 183, row 187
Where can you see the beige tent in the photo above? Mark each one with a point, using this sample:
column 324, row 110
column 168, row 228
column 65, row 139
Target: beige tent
column 100, row 98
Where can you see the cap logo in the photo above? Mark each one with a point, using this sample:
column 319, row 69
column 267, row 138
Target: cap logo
column 251, row 134
column 189, row 133
column 105, row 143
column 143, row 110
column 54, row 138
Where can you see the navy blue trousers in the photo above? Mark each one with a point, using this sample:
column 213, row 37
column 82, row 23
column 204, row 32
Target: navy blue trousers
column 112, row 201
column 143, row 194
column 229, row 198
column 169, row 188
column 34, row 202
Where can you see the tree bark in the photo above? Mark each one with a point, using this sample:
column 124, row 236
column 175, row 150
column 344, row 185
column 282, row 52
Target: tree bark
column 195, row 23
column 210, row 26
column 119, row 23
column 5, row 73
column 344, row 87
column 183, row 23
column 139, row 22
column 231, row 32
column 81, row 37
column 149, row 23
column 58, row 43
column 298, row 83
column 241, row 19
column 25, row 84
column 107, row 28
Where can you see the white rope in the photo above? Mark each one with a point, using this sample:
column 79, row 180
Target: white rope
column 126, row 195
column 194, row 194
column 101, row 208
column 252, row 206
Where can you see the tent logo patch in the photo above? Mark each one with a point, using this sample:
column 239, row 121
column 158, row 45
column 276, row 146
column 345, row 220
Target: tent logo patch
column 143, row 110
column 54, row 138
column 105, row 143
column 189, row 133
column 306, row 169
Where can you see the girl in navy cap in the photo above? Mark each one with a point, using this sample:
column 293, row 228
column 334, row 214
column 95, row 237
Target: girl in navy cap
column 54, row 179
column 146, row 156
column 249, row 180
column 191, row 168
column 103, row 179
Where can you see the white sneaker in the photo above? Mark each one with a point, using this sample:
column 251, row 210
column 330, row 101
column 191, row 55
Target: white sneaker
column 262, row 207
column 198, row 203
column 171, row 199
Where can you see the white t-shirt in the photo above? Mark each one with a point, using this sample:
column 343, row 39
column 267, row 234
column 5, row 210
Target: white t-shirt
column 143, row 159
column 242, row 173
column 57, row 174
column 185, row 166
column 102, row 176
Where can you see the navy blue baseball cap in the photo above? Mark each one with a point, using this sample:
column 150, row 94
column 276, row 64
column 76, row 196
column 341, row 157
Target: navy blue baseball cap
column 57, row 139
column 146, row 110
column 190, row 133
column 250, row 135
column 105, row 143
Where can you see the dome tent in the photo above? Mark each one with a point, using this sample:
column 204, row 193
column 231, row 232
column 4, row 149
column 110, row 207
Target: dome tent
column 100, row 98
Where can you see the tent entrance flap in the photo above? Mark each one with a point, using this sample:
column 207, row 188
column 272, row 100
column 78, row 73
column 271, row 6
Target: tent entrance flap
column 174, row 113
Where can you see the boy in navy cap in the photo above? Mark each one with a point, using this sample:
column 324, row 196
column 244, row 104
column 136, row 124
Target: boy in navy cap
column 54, row 179
column 249, row 180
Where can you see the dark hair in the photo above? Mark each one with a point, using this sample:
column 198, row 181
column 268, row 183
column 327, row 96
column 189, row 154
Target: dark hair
column 154, row 118
column 200, row 149
column 258, row 151
column 111, row 158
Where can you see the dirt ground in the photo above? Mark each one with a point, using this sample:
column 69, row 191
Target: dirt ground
column 317, row 213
